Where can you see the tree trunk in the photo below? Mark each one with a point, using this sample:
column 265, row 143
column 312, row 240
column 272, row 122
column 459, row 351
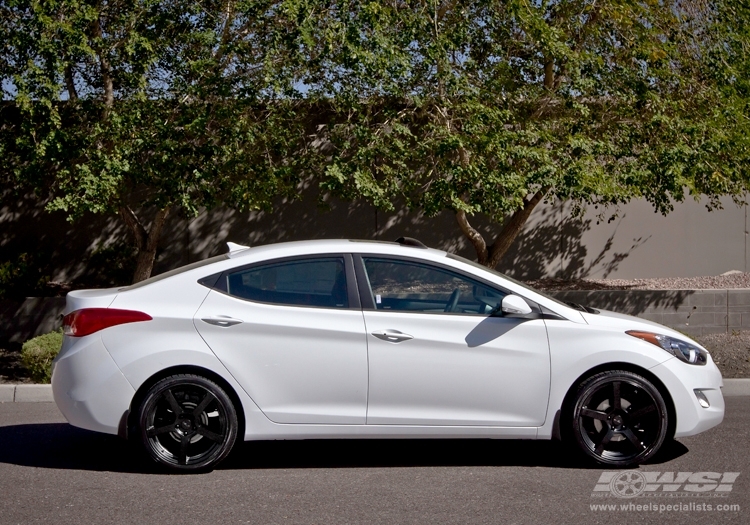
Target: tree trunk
column 490, row 256
column 105, row 70
column 70, row 84
column 474, row 236
column 512, row 227
column 549, row 74
column 146, row 241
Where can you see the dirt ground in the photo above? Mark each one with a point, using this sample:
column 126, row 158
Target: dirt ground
column 11, row 367
column 731, row 352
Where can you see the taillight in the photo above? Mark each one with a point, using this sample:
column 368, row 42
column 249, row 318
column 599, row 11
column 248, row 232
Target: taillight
column 90, row 320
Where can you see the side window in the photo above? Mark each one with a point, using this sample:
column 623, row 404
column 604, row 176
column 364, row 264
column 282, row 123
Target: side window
column 413, row 287
column 310, row 282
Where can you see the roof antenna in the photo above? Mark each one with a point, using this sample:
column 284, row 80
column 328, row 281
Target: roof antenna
column 410, row 241
column 234, row 247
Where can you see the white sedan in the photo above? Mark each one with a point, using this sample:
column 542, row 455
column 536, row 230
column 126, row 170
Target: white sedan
column 357, row 339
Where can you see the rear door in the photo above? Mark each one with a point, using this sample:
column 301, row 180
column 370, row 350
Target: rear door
column 291, row 332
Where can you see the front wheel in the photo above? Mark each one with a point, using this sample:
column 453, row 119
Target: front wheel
column 618, row 418
column 187, row 423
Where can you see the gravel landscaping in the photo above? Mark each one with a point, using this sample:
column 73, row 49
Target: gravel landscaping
column 731, row 352
column 733, row 279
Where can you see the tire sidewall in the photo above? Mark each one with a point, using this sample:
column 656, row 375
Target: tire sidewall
column 594, row 383
column 153, row 396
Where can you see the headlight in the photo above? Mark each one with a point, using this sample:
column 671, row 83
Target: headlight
column 687, row 352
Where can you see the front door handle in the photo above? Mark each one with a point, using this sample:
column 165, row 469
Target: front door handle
column 222, row 320
column 392, row 336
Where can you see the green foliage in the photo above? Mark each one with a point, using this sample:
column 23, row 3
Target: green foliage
column 142, row 105
column 37, row 355
column 108, row 266
column 23, row 276
column 477, row 106
column 482, row 107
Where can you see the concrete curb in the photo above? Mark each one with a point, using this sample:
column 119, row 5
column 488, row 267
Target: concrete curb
column 736, row 387
column 26, row 393
column 43, row 393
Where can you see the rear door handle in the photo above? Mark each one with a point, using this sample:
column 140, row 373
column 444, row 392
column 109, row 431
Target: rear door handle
column 392, row 336
column 222, row 320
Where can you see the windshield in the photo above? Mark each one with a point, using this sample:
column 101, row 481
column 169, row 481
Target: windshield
column 176, row 271
column 511, row 279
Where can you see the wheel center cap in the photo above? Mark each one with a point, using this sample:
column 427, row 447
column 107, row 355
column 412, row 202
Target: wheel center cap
column 186, row 424
column 617, row 421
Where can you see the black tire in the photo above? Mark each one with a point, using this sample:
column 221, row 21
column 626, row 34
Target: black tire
column 187, row 423
column 618, row 418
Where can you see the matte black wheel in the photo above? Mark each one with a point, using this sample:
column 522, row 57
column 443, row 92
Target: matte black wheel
column 619, row 418
column 187, row 422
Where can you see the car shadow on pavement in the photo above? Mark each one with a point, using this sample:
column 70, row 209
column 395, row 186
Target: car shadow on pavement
column 62, row 446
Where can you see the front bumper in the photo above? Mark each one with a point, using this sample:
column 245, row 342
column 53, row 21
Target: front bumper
column 682, row 380
column 88, row 387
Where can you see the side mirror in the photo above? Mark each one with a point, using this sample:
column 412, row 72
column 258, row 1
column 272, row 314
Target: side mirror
column 515, row 305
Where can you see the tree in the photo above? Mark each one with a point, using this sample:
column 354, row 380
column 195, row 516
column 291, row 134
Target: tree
column 140, row 107
column 480, row 107
column 491, row 107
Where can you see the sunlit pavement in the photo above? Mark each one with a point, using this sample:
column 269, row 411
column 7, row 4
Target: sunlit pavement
column 52, row 472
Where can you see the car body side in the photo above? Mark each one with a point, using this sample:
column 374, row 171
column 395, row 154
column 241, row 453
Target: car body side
column 99, row 392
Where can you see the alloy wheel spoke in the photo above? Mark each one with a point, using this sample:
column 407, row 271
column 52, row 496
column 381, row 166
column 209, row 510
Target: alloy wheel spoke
column 638, row 414
column 605, row 440
column 213, row 436
column 152, row 432
column 176, row 408
column 207, row 399
column 616, row 401
column 633, row 439
column 596, row 414
column 184, row 442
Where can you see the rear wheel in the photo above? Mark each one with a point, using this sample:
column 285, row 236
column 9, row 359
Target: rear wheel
column 187, row 422
column 618, row 418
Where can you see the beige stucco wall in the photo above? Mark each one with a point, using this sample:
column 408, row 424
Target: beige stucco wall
column 638, row 243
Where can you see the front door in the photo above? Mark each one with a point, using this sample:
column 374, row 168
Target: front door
column 438, row 358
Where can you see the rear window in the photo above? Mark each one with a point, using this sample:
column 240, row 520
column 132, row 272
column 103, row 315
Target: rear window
column 317, row 282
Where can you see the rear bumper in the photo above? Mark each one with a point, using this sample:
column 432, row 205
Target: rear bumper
column 88, row 387
column 682, row 381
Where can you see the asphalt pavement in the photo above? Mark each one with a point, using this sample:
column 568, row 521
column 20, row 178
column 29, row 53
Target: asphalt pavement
column 54, row 473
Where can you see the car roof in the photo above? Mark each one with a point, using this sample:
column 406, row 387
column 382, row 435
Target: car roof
column 335, row 245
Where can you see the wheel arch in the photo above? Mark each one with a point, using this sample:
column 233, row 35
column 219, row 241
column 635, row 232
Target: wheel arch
column 131, row 420
column 608, row 367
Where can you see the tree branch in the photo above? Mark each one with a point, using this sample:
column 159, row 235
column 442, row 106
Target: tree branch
column 70, row 83
column 106, row 69
column 134, row 225
column 473, row 235
column 147, row 241
column 549, row 73
column 225, row 34
column 156, row 227
column 443, row 10
column 513, row 227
